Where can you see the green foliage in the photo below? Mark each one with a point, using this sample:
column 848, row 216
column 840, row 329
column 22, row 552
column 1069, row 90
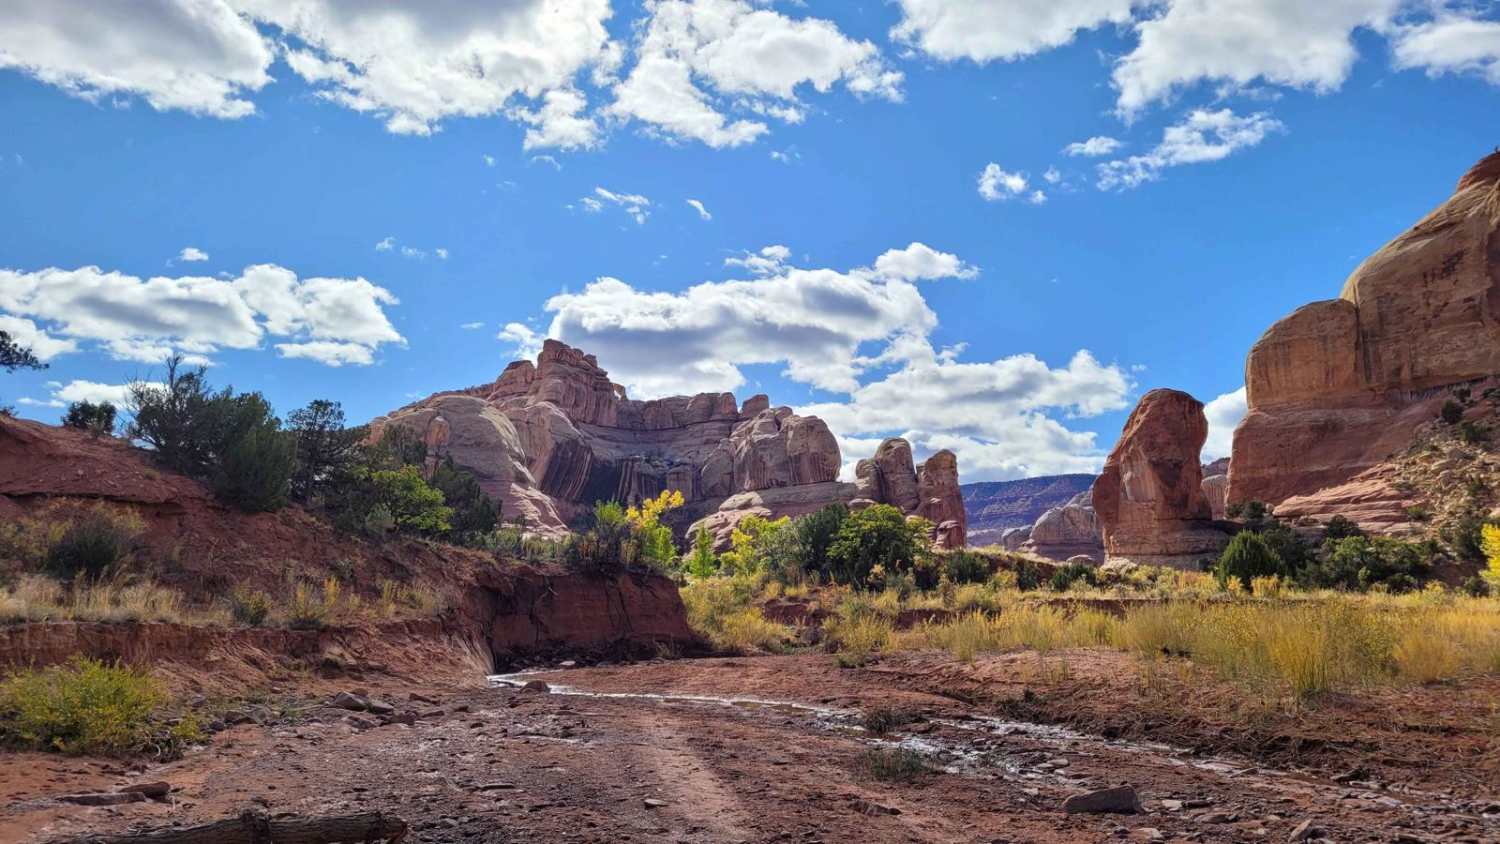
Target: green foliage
column 1464, row 535
column 232, row 440
column 703, row 562
column 1064, row 578
column 1473, row 433
column 97, row 419
column 759, row 544
column 1360, row 562
column 255, row 468
column 327, row 452
column 83, row 706
column 1340, row 527
column 893, row 764
column 474, row 512
column 966, row 567
column 1452, row 412
column 1250, row 512
column 249, row 606
column 414, row 506
column 91, row 545
column 1247, row 557
column 879, row 535
column 816, row 533
column 14, row 356
column 398, row 446
column 378, row 521
column 607, row 548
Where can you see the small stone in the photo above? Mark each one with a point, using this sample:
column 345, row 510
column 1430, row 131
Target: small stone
column 379, row 707
column 1149, row 833
column 536, row 686
column 568, row 663
column 349, row 700
column 1304, row 831
column 1119, row 800
column 1171, row 805
column 653, row 803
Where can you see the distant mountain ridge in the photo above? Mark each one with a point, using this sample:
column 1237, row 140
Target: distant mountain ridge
column 994, row 506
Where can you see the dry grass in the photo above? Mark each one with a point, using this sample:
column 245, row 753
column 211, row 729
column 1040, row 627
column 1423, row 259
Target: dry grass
column 114, row 599
column 720, row 610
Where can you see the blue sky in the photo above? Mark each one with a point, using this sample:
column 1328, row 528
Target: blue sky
column 904, row 226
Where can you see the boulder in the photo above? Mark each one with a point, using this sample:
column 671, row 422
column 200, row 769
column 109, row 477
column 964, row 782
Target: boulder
column 1338, row 386
column 1014, row 538
column 1068, row 531
column 1149, row 498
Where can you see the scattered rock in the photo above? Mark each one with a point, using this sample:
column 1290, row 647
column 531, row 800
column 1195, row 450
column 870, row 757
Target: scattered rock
column 1120, row 800
column 153, row 790
column 379, row 707
column 349, row 700
column 653, row 803
column 536, row 686
column 1304, row 831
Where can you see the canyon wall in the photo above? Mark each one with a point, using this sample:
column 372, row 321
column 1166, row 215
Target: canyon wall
column 1340, row 386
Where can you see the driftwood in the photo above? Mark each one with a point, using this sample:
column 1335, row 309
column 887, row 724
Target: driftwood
column 253, row 827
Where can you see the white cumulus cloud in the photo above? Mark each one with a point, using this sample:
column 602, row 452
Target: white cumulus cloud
column 192, row 254
column 1202, row 136
column 146, row 319
column 1224, row 414
column 1093, row 147
column 997, row 184
column 987, row 30
column 702, row 212
column 707, row 70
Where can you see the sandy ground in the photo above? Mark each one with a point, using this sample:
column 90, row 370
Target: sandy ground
column 770, row 749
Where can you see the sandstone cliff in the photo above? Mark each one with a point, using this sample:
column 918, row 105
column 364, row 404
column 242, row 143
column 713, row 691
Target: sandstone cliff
column 1149, row 498
column 549, row 439
column 1071, row 530
column 1340, row 386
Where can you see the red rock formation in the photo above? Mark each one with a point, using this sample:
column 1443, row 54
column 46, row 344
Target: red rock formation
column 941, row 500
column 1339, row 386
column 1149, row 497
column 549, row 439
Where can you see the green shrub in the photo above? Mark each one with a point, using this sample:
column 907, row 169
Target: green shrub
column 1476, row 587
column 474, row 513
column 893, row 764
column 415, row 507
column 703, row 562
column 327, row 452
column 83, row 706
column 1452, row 412
column 1064, row 578
column 1340, row 527
column 879, row 535
column 89, row 547
column 816, row 533
column 1248, row 557
column 966, row 567
column 883, row 719
column 249, row 606
column 1360, row 562
column 98, row 419
column 255, row 470
column 232, row 440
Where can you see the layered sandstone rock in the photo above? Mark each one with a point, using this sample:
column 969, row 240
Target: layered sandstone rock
column 1071, row 530
column 549, row 439
column 940, row 499
column 1340, row 386
column 1149, row 498
column 1216, row 490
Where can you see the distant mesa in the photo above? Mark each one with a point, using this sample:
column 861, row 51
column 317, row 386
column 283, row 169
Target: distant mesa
column 551, row 438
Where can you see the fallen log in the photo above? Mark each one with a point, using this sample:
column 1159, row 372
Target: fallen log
column 253, row 827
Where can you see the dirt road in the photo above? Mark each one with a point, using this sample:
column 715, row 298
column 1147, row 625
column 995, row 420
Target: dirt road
column 744, row 749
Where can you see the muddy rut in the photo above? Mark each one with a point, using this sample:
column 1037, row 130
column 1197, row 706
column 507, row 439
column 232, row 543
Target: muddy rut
column 728, row 750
